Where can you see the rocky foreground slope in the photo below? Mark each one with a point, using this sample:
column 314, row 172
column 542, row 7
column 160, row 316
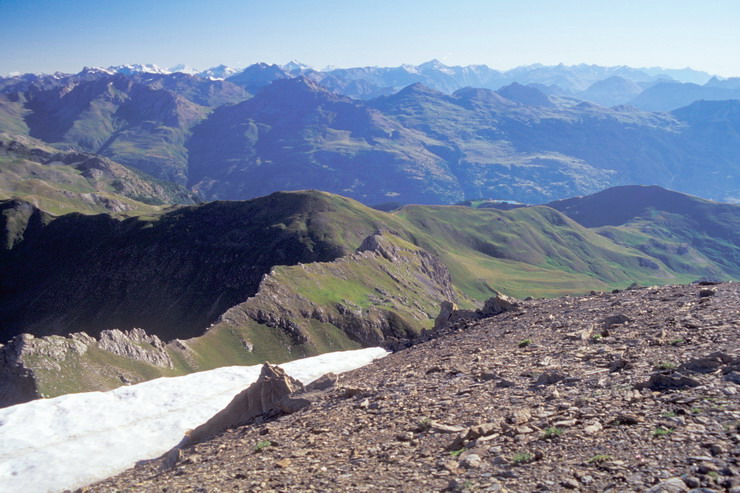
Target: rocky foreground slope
column 629, row 391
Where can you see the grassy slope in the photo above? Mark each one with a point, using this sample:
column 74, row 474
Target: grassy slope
column 59, row 189
column 688, row 234
column 524, row 252
column 65, row 182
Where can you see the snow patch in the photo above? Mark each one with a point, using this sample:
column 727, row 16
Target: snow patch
column 73, row 440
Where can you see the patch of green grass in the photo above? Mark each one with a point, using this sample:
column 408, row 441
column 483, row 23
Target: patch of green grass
column 676, row 342
column 521, row 458
column 524, row 343
column 553, row 432
column 669, row 414
column 262, row 445
column 456, row 453
column 661, row 432
column 665, row 365
column 599, row 459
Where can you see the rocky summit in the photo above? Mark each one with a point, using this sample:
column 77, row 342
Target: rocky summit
column 634, row 390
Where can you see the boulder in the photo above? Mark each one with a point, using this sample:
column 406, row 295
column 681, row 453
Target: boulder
column 259, row 399
column 497, row 304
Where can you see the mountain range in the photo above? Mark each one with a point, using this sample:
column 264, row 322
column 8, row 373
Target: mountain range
column 415, row 145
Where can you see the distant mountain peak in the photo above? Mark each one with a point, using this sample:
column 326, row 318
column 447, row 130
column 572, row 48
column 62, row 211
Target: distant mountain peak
column 300, row 84
column 95, row 71
column 525, row 95
column 184, row 69
column 296, row 65
column 431, row 64
column 219, row 72
column 136, row 68
column 419, row 88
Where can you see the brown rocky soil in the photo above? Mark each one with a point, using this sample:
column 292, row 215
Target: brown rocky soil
column 630, row 391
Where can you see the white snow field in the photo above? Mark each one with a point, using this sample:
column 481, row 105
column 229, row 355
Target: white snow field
column 73, row 440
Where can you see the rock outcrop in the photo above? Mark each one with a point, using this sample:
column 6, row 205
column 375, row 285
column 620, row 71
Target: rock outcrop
column 450, row 315
column 137, row 345
column 28, row 364
column 262, row 398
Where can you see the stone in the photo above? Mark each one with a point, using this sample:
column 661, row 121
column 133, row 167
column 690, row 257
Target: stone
column 260, row 398
column 733, row 377
column 672, row 485
column 496, row 305
column 614, row 320
column 549, row 378
column 570, row 484
column 324, row 382
column 137, row 345
column 593, row 428
column 472, row 461
column 692, row 481
column 707, row 364
column 660, row 382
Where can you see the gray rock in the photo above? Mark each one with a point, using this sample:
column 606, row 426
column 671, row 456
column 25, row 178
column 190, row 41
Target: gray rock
column 497, row 304
column 549, row 378
column 676, row 381
column 613, row 320
column 472, row 461
column 137, row 345
column 672, row 485
column 570, row 484
column 733, row 377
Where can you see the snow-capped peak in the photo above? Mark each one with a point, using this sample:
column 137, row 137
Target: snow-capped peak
column 184, row 69
column 295, row 65
column 96, row 70
column 218, row 72
column 136, row 68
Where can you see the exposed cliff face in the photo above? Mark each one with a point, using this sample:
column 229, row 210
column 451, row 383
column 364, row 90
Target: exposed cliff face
column 32, row 367
column 136, row 344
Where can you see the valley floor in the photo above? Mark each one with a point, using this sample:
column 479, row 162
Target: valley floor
column 630, row 391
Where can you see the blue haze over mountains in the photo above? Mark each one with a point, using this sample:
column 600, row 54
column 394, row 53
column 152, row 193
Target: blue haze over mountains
column 428, row 133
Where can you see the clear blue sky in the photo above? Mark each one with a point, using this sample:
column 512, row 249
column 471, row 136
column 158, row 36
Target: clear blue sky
column 65, row 35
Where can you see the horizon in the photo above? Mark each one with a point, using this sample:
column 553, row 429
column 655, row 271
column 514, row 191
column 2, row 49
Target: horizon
column 45, row 36
column 336, row 67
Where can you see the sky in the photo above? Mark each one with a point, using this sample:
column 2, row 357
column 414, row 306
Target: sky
column 66, row 35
